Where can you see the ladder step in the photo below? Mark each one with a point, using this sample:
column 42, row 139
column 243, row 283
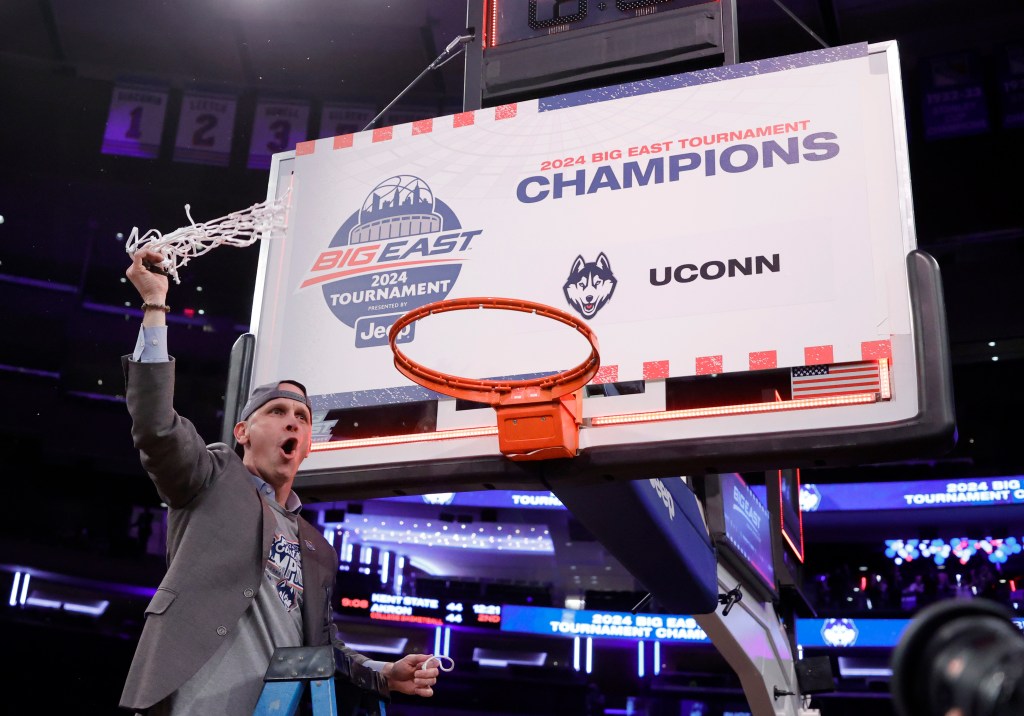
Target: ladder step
column 279, row 698
column 324, row 701
column 363, row 691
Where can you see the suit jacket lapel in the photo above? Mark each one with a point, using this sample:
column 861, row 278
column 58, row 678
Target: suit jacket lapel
column 314, row 597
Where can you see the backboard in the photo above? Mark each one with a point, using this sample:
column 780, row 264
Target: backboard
column 741, row 240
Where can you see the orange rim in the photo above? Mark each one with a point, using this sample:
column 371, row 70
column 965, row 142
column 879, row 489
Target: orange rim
column 495, row 392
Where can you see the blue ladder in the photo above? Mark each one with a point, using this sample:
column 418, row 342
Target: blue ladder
column 363, row 691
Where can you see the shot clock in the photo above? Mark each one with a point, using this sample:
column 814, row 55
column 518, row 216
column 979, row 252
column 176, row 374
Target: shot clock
column 525, row 49
column 514, row 20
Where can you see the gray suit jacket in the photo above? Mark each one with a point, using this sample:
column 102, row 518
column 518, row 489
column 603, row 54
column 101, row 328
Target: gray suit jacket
column 219, row 533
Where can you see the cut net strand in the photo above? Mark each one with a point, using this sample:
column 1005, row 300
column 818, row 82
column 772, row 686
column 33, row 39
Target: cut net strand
column 266, row 219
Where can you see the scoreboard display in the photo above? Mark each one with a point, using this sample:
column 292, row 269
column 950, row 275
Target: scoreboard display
column 513, row 20
column 525, row 49
column 740, row 526
column 418, row 610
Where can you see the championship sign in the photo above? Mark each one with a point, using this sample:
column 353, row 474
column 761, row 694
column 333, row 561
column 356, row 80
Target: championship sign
column 744, row 200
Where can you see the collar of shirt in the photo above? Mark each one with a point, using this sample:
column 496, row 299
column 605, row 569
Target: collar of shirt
column 293, row 504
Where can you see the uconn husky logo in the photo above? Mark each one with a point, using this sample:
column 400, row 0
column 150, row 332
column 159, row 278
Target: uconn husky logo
column 590, row 285
column 839, row 632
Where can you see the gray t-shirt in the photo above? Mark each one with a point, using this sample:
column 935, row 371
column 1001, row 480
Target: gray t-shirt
column 229, row 684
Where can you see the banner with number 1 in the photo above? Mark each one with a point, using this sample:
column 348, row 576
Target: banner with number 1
column 135, row 122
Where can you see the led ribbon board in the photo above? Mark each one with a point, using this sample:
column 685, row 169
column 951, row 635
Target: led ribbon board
column 602, row 625
column 743, row 221
column 380, row 606
column 845, row 633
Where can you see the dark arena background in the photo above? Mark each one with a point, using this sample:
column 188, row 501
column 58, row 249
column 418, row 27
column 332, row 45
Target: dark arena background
column 83, row 537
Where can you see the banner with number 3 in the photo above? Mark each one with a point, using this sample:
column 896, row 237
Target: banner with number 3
column 277, row 127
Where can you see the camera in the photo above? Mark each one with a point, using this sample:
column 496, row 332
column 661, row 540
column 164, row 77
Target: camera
column 959, row 657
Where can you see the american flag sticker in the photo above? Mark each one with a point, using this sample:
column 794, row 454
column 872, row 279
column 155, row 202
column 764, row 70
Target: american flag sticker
column 815, row 381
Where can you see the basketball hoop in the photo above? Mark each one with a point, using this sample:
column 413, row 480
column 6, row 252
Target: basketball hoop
column 538, row 418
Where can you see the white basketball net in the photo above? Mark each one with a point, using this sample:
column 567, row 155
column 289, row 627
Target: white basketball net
column 264, row 220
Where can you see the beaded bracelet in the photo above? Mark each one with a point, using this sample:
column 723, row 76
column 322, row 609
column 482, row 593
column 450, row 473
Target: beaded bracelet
column 155, row 307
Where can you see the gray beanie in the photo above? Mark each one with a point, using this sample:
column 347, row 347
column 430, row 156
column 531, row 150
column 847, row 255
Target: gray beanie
column 263, row 394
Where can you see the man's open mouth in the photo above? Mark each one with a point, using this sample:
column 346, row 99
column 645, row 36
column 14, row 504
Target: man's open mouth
column 290, row 446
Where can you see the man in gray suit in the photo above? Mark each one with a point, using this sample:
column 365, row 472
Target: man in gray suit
column 246, row 573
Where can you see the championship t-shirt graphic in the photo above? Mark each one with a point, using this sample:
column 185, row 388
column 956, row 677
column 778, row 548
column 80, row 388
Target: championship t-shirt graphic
column 284, row 570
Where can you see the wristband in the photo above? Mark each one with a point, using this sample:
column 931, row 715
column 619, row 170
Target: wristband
column 440, row 659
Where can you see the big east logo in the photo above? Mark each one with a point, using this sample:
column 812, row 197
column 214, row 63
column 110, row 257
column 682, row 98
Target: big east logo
column 404, row 248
